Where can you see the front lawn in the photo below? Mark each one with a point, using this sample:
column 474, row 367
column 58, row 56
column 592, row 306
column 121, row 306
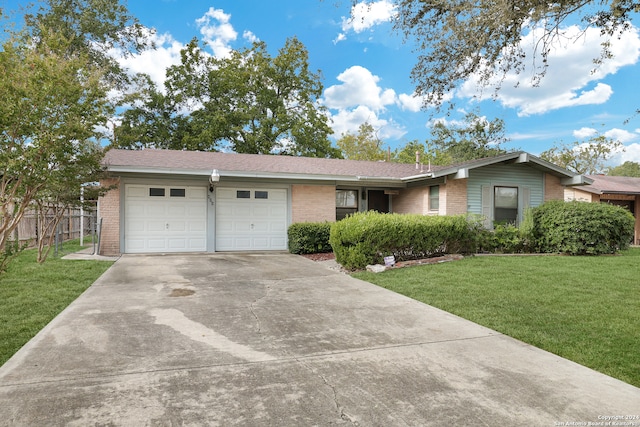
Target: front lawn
column 32, row 294
column 586, row 309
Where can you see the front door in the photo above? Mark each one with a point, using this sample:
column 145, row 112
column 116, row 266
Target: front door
column 378, row 201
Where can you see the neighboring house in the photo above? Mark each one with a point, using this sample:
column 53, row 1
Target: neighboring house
column 187, row 201
column 617, row 190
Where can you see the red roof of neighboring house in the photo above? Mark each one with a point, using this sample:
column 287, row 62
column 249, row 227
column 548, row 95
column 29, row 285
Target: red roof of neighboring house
column 613, row 185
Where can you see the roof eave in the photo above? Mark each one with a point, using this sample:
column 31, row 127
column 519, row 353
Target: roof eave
column 255, row 175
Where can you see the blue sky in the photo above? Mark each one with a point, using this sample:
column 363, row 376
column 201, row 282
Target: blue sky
column 366, row 70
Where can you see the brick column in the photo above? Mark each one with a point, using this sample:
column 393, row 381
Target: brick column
column 109, row 212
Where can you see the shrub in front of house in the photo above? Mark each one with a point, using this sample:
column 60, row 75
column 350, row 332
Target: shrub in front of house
column 579, row 228
column 309, row 237
column 504, row 239
column 367, row 237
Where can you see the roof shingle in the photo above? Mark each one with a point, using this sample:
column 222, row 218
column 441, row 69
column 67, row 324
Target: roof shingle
column 233, row 162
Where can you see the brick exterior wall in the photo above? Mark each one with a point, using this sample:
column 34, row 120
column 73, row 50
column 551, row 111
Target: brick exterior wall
column 455, row 197
column 109, row 211
column 313, row 203
column 411, row 200
column 553, row 189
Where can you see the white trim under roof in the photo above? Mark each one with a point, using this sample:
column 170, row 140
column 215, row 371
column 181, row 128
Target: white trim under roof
column 246, row 174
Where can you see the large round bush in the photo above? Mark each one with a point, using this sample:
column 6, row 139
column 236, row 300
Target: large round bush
column 579, row 228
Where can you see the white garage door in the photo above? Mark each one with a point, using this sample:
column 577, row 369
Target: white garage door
column 251, row 219
column 162, row 218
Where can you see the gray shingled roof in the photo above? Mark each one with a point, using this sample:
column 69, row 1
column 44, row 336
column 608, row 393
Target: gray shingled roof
column 613, row 184
column 233, row 162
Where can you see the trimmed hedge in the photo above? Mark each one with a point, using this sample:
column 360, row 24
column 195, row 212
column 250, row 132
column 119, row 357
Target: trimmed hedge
column 367, row 237
column 579, row 228
column 309, row 237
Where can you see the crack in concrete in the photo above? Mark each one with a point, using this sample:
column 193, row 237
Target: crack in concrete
column 252, row 306
column 339, row 408
column 343, row 415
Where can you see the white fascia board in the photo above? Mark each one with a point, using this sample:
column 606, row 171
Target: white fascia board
column 160, row 171
column 422, row 176
column 576, row 180
column 255, row 175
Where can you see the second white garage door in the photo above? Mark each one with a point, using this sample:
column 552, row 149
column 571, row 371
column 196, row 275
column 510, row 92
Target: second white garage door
column 251, row 219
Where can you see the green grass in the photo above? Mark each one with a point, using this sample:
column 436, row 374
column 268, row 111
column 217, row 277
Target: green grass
column 32, row 294
column 586, row 309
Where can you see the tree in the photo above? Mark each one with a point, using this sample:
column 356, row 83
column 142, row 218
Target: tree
column 625, row 169
column 250, row 101
column 54, row 80
column 585, row 158
column 407, row 154
column 457, row 39
column 364, row 145
column 474, row 138
column 63, row 191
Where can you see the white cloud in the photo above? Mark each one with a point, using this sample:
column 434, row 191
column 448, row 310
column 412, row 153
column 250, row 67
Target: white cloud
column 340, row 37
column 249, row 36
column 348, row 121
column 624, row 136
column 631, row 154
column 359, row 87
column 411, row 103
column 570, row 79
column 360, row 99
column 584, row 132
column 366, row 15
column 218, row 33
column 153, row 62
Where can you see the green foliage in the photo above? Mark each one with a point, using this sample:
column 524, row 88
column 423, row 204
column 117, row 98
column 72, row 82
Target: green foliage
column 626, row 169
column 481, row 40
column 578, row 228
column 367, row 237
column 407, row 154
column 363, row 146
column 309, row 237
column 11, row 250
column 248, row 102
column 587, row 157
column 504, row 238
column 476, row 138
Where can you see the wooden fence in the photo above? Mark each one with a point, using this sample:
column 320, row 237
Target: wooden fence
column 69, row 228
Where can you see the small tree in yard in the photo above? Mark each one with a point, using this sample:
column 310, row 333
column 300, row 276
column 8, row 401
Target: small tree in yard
column 55, row 75
column 63, row 191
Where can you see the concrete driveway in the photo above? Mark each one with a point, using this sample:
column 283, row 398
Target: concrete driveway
column 278, row 340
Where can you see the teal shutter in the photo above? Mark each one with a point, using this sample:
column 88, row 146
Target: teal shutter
column 486, row 206
column 526, row 201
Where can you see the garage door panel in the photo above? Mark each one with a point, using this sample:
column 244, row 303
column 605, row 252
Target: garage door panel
column 175, row 220
column 254, row 221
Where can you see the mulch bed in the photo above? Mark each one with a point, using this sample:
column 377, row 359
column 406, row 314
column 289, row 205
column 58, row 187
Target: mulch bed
column 435, row 260
column 320, row 257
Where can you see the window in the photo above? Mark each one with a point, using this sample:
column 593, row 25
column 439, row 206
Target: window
column 243, row 194
column 505, row 205
column 261, row 195
column 177, row 192
column 156, row 192
column 346, row 203
column 434, row 198
column 346, row 198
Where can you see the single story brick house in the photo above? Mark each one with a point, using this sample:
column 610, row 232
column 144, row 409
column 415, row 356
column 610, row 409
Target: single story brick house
column 187, row 201
column 617, row 190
